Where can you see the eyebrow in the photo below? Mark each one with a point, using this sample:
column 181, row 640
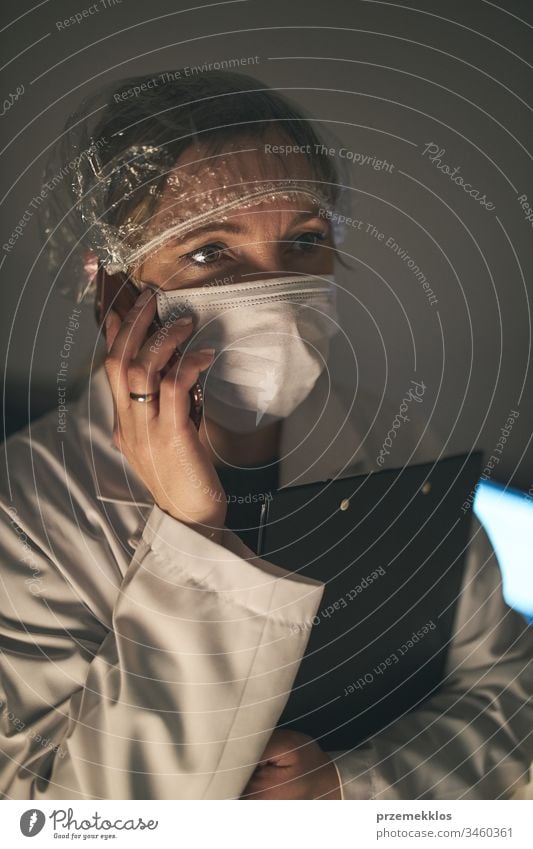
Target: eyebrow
column 229, row 227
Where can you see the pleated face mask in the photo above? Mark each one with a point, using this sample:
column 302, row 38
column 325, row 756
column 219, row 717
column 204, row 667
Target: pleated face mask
column 271, row 339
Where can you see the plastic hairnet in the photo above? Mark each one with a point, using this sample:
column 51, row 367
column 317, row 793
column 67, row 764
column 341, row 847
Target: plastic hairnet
column 116, row 161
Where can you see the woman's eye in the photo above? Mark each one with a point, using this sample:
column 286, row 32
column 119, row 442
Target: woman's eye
column 308, row 241
column 207, row 254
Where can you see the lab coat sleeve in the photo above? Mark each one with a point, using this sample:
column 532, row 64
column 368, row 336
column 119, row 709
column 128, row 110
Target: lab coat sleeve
column 474, row 738
column 177, row 700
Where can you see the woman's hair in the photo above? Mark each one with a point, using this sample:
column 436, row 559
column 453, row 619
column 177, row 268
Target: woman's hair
column 121, row 145
column 212, row 108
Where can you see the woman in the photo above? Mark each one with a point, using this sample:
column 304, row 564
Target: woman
column 155, row 652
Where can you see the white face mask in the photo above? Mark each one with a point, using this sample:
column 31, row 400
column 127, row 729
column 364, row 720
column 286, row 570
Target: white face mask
column 271, row 340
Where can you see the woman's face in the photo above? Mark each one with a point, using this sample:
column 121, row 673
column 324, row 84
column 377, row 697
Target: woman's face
column 271, row 237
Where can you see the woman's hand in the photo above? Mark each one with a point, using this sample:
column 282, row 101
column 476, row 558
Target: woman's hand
column 293, row 766
column 158, row 438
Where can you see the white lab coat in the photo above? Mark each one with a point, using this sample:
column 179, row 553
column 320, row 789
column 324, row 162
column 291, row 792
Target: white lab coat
column 142, row 660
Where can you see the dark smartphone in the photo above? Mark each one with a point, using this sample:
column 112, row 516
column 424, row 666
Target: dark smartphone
column 118, row 292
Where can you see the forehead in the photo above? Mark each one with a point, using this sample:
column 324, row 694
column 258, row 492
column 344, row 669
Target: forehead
column 246, row 160
column 245, row 173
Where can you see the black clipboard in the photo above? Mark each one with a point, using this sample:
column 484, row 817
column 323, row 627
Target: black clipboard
column 390, row 547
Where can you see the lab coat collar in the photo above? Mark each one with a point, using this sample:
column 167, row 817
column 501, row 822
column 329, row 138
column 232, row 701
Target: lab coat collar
column 318, row 441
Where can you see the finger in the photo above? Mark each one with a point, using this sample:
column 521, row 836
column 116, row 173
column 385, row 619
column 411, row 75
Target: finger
column 126, row 343
column 284, row 743
column 134, row 328
column 144, row 370
column 160, row 346
column 175, row 396
column 252, row 796
column 142, row 412
column 255, row 788
column 112, row 326
column 269, row 783
column 174, row 401
column 141, row 378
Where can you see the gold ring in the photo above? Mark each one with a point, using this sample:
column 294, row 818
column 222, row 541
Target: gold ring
column 144, row 399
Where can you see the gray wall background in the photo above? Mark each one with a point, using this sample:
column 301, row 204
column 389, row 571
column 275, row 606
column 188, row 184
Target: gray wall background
column 391, row 79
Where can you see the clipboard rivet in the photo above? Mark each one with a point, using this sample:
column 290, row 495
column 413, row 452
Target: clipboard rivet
column 345, row 503
column 425, row 488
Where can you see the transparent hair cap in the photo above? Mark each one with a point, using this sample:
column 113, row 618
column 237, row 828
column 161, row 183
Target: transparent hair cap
column 128, row 175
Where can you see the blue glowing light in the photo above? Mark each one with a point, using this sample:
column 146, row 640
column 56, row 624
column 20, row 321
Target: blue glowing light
column 507, row 516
